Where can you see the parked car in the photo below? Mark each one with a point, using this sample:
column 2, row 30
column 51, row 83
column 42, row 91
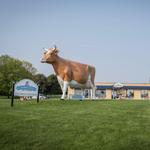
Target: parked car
column 41, row 96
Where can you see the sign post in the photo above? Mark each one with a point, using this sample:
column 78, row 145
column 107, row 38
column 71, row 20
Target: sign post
column 38, row 94
column 12, row 97
column 24, row 88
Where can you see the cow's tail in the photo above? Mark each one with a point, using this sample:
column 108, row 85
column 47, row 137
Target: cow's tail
column 92, row 82
column 93, row 71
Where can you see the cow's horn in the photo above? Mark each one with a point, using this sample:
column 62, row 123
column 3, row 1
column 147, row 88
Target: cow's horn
column 45, row 49
column 55, row 47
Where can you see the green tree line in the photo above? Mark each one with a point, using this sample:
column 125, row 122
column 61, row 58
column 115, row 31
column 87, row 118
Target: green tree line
column 13, row 70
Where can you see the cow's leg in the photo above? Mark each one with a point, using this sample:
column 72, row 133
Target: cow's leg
column 93, row 90
column 60, row 81
column 92, row 87
column 65, row 87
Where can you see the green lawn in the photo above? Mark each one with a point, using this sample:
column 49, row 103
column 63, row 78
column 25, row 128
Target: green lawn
column 75, row 125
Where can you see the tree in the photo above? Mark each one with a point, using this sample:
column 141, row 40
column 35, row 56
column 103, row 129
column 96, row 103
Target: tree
column 41, row 80
column 53, row 86
column 28, row 67
column 48, row 85
column 13, row 70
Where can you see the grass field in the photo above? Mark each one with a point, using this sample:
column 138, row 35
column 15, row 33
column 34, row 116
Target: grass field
column 75, row 125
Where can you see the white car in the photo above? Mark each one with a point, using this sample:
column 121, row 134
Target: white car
column 40, row 97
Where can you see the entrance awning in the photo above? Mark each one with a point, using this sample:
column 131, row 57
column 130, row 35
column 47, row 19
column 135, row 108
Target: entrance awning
column 118, row 85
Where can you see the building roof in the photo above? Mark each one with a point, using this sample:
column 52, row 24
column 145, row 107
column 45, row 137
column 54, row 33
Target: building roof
column 113, row 85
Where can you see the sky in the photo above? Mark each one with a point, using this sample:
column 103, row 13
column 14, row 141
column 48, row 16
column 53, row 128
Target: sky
column 112, row 35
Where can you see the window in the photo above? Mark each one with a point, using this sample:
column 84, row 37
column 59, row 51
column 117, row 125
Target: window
column 87, row 93
column 78, row 92
column 144, row 93
column 130, row 94
column 100, row 93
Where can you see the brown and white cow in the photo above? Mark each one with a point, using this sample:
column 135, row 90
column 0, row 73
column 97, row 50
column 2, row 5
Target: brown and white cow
column 70, row 73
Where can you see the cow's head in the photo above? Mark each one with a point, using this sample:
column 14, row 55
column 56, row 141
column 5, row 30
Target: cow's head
column 50, row 55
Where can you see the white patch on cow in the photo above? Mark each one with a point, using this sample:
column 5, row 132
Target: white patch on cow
column 74, row 84
column 65, row 87
column 61, row 82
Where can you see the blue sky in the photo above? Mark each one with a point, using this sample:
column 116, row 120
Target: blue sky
column 112, row 35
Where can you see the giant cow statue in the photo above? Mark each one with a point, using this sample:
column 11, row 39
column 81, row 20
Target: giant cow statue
column 70, row 73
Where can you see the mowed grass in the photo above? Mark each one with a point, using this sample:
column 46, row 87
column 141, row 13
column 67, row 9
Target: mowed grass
column 75, row 125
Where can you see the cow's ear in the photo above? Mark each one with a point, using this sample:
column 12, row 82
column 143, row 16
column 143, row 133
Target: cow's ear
column 56, row 51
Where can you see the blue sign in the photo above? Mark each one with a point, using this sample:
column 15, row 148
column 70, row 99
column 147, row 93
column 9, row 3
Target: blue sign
column 26, row 87
column 77, row 97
